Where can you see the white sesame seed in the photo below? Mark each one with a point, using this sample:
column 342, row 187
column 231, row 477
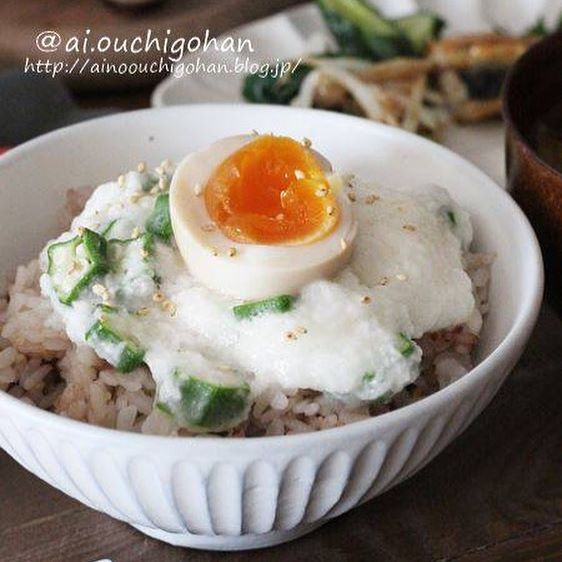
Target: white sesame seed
column 135, row 197
column 158, row 296
column 142, row 311
column 169, row 307
column 322, row 192
column 383, row 281
column 370, row 199
column 232, row 252
column 121, row 180
column 198, row 189
column 352, row 197
column 162, row 183
column 214, row 251
column 343, row 244
column 141, row 167
column 307, row 142
column 210, row 227
column 366, row 299
column 401, row 277
column 331, row 211
column 136, row 232
column 299, row 174
column 290, row 336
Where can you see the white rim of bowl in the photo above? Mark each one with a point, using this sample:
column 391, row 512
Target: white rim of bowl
column 512, row 343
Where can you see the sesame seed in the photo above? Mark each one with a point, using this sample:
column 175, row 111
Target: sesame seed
column 352, row 197
column 331, row 211
column 198, row 189
column 162, row 183
column 81, row 230
column 290, row 336
column 136, row 232
column 383, row 281
column 401, row 277
column 121, row 180
column 135, row 197
column 366, row 299
column 301, row 330
column 343, row 244
column 169, row 306
column 154, row 190
column 232, row 252
column 322, row 192
column 144, row 253
column 210, row 227
column 299, row 174
column 99, row 290
column 409, row 227
column 158, row 296
column 307, row 142
column 214, row 251
column 141, row 167
column 370, row 199
column 280, row 217
column 142, row 311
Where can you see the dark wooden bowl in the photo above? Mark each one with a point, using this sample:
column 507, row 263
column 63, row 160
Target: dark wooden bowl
column 533, row 86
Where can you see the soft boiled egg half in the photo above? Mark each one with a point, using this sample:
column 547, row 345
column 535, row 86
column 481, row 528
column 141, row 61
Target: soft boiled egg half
column 260, row 215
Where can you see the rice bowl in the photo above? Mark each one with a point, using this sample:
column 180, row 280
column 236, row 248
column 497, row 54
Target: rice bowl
column 467, row 192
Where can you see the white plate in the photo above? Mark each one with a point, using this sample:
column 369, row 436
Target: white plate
column 289, row 34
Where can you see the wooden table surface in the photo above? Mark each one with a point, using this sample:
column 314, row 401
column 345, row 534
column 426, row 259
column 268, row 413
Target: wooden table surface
column 494, row 494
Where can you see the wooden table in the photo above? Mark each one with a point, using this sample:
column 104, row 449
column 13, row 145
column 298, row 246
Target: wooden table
column 494, row 494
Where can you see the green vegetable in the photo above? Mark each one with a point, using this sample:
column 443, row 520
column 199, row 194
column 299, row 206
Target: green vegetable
column 159, row 222
column 452, row 218
column 405, row 345
column 105, row 333
column 149, row 180
column 368, row 377
column 420, row 29
column 362, row 32
column 281, row 303
column 121, row 251
column 105, row 232
column 212, row 405
column 132, row 265
column 540, row 29
column 164, row 408
column 272, row 88
column 73, row 264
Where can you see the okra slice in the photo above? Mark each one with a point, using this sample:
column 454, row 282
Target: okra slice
column 212, row 405
column 405, row 345
column 159, row 222
column 73, row 264
column 111, row 343
column 132, row 270
column 278, row 304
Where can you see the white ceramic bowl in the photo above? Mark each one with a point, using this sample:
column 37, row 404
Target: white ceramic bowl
column 244, row 493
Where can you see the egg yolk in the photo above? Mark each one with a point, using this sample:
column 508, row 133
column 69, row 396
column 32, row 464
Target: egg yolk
column 271, row 191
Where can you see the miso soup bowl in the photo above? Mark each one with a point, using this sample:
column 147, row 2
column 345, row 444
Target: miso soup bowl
column 229, row 494
column 533, row 86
